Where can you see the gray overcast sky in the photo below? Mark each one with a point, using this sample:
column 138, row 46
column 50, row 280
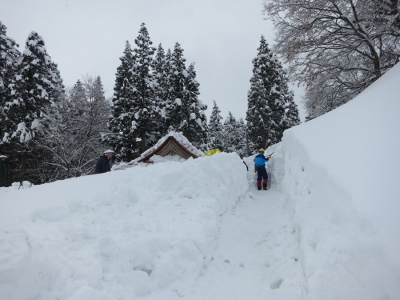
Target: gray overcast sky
column 87, row 37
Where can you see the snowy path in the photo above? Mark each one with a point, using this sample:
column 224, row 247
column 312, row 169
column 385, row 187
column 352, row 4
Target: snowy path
column 256, row 255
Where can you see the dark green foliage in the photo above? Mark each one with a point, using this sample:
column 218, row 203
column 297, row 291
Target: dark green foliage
column 184, row 111
column 267, row 99
column 194, row 120
column 122, row 138
column 176, row 88
column 9, row 56
column 215, row 127
column 135, row 120
column 37, row 87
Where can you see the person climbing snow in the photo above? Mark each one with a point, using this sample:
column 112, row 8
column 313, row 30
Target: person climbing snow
column 260, row 161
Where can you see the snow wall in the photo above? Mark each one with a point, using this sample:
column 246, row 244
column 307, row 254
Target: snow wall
column 119, row 235
column 340, row 174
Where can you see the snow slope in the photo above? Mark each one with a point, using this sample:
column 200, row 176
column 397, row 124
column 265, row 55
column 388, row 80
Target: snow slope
column 118, row 235
column 327, row 229
column 340, row 174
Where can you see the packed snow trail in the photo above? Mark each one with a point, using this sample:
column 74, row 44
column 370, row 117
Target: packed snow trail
column 256, row 256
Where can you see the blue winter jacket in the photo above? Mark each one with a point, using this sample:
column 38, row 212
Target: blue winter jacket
column 102, row 165
column 260, row 159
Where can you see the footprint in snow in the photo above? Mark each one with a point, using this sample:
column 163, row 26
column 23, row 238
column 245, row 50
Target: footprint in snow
column 276, row 284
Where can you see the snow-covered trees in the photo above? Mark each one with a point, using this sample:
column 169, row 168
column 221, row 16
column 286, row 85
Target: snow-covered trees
column 136, row 108
column 267, row 99
column 336, row 48
column 234, row 135
column 143, row 108
column 48, row 134
column 194, row 120
column 36, row 86
column 177, row 85
column 215, row 127
column 73, row 137
column 184, row 111
column 9, row 56
column 122, row 138
column 154, row 91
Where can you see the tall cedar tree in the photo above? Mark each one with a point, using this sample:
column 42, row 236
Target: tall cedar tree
column 184, row 111
column 176, row 90
column 161, row 87
column 38, row 85
column 234, row 135
column 122, row 137
column 194, row 120
column 215, row 127
column 230, row 134
column 144, row 106
column 266, row 99
column 242, row 147
column 291, row 115
column 9, row 56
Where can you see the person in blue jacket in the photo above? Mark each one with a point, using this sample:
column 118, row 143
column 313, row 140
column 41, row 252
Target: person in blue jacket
column 103, row 164
column 260, row 161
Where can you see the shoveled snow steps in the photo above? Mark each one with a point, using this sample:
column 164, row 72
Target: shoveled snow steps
column 257, row 253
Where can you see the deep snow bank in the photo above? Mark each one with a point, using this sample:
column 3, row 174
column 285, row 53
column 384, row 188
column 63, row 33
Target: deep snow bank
column 341, row 173
column 117, row 235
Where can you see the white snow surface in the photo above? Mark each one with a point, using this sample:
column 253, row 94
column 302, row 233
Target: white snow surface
column 119, row 235
column 339, row 174
column 327, row 228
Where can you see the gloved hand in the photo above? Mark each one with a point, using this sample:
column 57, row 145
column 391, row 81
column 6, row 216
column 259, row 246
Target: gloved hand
column 269, row 156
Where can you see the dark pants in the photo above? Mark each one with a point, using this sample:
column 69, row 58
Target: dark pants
column 262, row 174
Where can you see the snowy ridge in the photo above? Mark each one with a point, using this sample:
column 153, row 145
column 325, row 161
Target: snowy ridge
column 340, row 176
column 118, row 235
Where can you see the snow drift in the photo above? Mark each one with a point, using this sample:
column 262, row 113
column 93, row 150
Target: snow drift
column 151, row 232
column 340, row 174
column 117, row 235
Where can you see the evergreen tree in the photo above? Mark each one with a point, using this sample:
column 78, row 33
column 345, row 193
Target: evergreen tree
column 241, row 131
column 291, row 114
column 215, row 127
column 266, row 99
column 122, row 138
column 194, row 120
column 231, row 136
column 38, row 85
column 161, row 87
column 9, row 56
column 144, row 107
column 97, row 113
column 177, row 86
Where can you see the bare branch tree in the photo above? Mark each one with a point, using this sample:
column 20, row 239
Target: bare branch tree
column 335, row 48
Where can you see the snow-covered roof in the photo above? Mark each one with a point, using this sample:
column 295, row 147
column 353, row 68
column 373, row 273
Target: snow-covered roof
column 174, row 141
